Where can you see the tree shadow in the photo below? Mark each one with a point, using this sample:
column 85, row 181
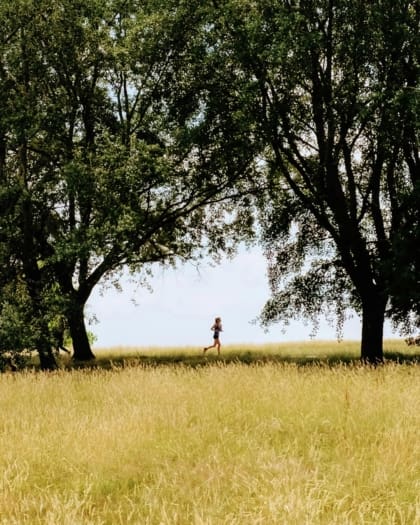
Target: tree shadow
column 187, row 360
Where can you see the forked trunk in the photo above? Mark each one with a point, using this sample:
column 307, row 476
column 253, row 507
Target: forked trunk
column 47, row 359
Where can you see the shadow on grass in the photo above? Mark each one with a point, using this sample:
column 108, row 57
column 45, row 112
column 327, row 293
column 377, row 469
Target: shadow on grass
column 245, row 358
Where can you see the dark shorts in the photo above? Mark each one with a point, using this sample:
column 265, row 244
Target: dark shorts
column 216, row 335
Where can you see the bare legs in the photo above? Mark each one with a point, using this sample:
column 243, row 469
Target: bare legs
column 216, row 344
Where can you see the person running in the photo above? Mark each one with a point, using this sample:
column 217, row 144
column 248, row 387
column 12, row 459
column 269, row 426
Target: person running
column 217, row 328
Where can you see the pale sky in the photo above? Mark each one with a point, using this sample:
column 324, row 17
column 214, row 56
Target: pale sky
column 185, row 301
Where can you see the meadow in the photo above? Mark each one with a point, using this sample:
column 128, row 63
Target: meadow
column 290, row 434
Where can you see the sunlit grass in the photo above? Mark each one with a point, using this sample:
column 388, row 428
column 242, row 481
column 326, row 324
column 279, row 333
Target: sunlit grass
column 298, row 352
column 220, row 442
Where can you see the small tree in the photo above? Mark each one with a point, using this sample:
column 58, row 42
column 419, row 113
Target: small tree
column 16, row 337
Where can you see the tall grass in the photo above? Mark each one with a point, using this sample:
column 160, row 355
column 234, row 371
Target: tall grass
column 216, row 443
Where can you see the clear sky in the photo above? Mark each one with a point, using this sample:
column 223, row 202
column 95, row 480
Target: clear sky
column 185, row 301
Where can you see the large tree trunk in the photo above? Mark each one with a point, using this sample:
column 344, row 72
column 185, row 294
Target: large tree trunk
column 47, row 359
column 81, row 345
column 373, row 317
column 46, row 355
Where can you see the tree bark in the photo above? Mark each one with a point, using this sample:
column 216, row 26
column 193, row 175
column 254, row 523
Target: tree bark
column 47, row 359
column 373, row 317
column 81, row 345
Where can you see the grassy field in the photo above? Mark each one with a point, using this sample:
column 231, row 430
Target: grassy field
column 280, row 434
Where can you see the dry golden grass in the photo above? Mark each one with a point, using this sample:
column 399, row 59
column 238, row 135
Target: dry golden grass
column 253, row 442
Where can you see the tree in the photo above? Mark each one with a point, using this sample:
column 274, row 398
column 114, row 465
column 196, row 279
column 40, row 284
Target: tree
column 333, row 90
column 19, row 255
column 123, row 163
column 404, row 266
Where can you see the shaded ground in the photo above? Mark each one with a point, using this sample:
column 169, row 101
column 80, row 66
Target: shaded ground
column 318, row 353
column 246, row 357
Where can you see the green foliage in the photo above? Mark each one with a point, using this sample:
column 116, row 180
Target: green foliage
column 405, row 293
column 113, row 146
column 16, row 333
column 132, row 133
column 333, row 94
column 15, row 318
